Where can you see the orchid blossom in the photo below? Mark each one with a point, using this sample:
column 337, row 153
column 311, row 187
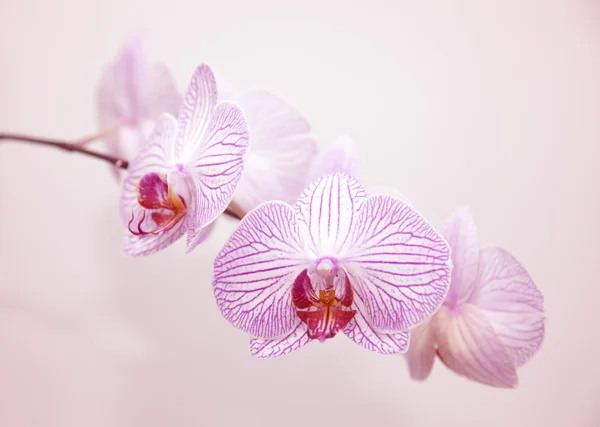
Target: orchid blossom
column 186, row 174
column 492, row 320
column 370, row 267
column 132, row 94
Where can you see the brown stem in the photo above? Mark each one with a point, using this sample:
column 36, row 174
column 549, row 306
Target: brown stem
column 67, row 146
column 232, row 211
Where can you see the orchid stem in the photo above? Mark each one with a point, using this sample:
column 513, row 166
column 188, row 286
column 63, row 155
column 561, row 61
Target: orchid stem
column 77, row 147
column 67, row 146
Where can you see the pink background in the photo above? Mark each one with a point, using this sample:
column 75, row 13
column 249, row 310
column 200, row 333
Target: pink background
column 452, row 103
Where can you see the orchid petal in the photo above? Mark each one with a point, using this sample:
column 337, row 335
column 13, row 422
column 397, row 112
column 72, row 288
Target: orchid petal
column 341, row 156
column 328, row 210
column 218, row 167
column 281, row 151
column 461, row 234
column 362, row 333
column 132, row 93
column 421, row 352
column 254, row 272
column 271, row 348
column 468, row 345
column 197, row 110
column 511, row 301
column 399, row 263
column 153, row 158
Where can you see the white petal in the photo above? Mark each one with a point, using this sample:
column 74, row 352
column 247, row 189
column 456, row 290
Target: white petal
column 399, row 263
column 461, row 234
column 421, row 352
column 271, row 348
column 511, row 301
column 328, row 211
column 254, row 272
column 197, row 111
column 280, row 154
column 468, row 345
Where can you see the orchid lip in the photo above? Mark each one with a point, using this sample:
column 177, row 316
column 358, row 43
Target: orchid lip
column 326, row 314
column 157, row 196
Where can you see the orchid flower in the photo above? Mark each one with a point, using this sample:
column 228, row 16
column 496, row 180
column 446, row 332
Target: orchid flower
column 492, row 320
column 186, row 174
column 132, row 94
column 281, row 152
column 370, row 267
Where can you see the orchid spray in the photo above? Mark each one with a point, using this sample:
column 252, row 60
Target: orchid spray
column 314, row 255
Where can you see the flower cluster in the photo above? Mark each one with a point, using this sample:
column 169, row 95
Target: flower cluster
column 314, row 256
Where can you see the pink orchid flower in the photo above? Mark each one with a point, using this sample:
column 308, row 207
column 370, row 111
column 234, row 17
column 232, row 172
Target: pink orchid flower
column 492, row 320
column 370, row 267
column 186, row 174
column 132, row 94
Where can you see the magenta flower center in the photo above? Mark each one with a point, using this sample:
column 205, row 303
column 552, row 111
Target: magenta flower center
column 165, row 206
column 329, row 312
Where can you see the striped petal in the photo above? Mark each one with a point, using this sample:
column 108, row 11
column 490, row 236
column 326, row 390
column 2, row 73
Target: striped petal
column 399, row 263
column 327, row 211
column 510, row 300
column 362, row 333
column 281, row 151
column 461, row 234
column 217, row 167
column 468, row 345
column 254, row 272
column 271, row 348
column 196, row 113
column 156, row 158
column 421, row 352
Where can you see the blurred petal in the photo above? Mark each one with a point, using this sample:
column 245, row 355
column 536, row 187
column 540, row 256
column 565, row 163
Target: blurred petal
column 163, row 95
column 363, row 334
column 196, row 113
column 509, row 298
column 254, row 272
column 153, row 158
column 342, row 156
column 399, row 263
column 327, row 210
column 277, row 347
column 468, row 345
column 281, row 151
column 461, row 234
column 131, row 95
column 421, row 352
column 217, row 167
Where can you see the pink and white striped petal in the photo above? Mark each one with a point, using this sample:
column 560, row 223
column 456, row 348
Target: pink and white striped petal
column 327, row 212
column 342, row 156
column 468, row 345
column 281, row 151
column 362, row 333
column 461, row 234
column 271, row 348
column 510, row 300
column 421, row 352
column 254, row 272
column 155, row 157
column 399, row 263
column 196, row 113
column 217, row 167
